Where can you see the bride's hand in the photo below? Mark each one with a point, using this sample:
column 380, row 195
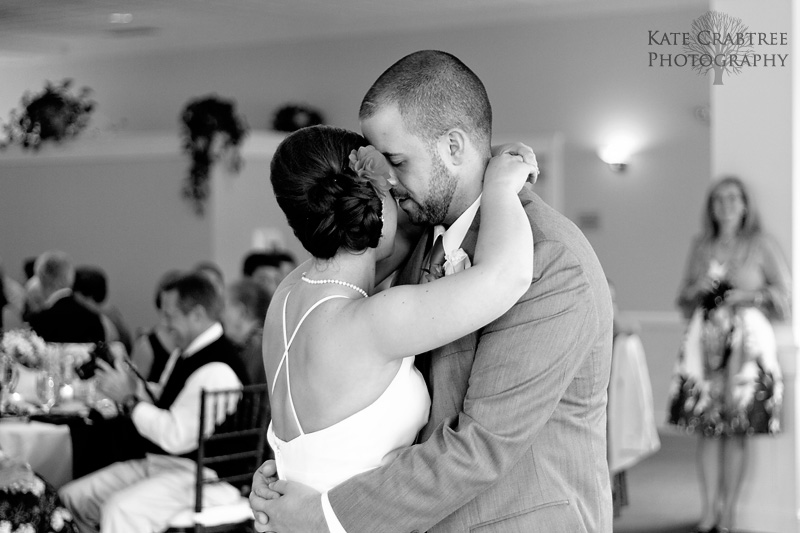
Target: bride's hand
column 508, row 170
column 523, row 150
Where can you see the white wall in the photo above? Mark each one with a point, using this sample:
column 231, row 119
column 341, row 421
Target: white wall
column 752, row 138
column 121, row 211
column 583, row 77
column 243, row 203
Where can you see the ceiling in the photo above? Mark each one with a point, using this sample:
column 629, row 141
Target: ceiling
column 80, row 27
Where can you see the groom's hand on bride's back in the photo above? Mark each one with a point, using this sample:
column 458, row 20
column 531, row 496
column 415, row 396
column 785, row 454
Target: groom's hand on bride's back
column 284, row 506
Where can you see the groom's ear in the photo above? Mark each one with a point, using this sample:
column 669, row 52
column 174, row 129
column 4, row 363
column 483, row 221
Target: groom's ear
column 453, row 146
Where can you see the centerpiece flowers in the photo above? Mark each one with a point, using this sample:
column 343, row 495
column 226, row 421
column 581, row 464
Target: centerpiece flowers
column 25, row 347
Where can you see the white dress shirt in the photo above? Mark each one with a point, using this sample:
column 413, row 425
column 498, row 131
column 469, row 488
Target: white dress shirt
column 175, row 429
column 452, row 238
column 56, row 296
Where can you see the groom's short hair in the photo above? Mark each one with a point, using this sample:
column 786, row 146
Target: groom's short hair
column 434, row 91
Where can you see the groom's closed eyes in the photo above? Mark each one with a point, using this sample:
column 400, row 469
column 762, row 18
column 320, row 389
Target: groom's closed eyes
column 394, row 160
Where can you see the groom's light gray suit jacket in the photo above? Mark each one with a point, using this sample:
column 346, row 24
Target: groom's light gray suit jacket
column 516, row 440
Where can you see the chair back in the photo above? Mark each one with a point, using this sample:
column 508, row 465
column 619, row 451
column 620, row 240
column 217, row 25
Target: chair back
column 235, row 448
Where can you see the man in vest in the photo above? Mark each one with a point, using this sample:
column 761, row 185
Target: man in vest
column 143, row 494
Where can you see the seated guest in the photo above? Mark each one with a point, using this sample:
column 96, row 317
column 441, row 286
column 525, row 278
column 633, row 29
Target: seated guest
column 28, row 267
column 268, row 268
column 62, row 318
column 32, row 298
column 214, row 274
column 29, row 300
column 91, row 289
column 144, row 494
column 152, row 348
column 12, row 298
column 34, row 302
column 246, row 304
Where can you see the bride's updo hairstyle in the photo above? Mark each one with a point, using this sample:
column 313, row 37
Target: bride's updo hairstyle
column 325, row 203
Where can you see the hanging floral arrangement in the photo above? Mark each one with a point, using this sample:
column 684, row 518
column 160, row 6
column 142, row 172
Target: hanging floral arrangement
column 53, row 115
column 211, row 131
column 292, row 117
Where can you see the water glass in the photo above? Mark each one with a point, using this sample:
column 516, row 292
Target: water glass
column 46, row 390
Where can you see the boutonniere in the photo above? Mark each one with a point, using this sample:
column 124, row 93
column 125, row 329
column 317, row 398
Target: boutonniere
column 456, row 261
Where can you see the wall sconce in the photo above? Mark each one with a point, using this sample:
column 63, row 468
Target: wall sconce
column 615, row 155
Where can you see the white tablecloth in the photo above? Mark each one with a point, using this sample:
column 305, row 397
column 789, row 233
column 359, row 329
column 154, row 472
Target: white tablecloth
column 632, row 430
column 46, row 447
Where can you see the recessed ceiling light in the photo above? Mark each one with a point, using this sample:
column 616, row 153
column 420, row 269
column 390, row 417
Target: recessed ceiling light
column 120, row 18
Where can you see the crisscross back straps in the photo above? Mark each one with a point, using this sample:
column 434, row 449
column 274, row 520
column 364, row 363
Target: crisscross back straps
column 287, row 344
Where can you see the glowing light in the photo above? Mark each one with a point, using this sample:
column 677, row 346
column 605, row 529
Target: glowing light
column 120, row 18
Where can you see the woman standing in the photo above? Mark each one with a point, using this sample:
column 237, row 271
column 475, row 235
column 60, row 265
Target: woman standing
column 728, row 383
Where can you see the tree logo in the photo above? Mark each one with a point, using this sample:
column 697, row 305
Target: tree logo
column 723, row 40
column 717, row 42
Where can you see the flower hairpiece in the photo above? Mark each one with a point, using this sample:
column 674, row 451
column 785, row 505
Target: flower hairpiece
column 371, row 165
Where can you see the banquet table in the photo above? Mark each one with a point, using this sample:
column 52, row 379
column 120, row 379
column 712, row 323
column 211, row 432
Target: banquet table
column 61, row 447
column 47, row 448
column 54, row 426
column 74, row 438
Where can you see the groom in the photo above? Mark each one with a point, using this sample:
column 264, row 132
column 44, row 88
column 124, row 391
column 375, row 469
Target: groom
column 516, row 436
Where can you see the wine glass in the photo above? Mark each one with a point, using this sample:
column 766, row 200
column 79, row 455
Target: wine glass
column 46, row 390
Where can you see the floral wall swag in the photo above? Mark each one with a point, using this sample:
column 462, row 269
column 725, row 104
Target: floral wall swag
column 52, row 115
column 211, row 130
column 292, row 117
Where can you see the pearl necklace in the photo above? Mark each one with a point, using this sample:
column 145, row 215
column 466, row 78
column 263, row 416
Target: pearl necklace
column 336, row 281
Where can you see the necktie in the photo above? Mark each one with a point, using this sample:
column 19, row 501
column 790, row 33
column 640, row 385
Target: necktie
column 435, row 268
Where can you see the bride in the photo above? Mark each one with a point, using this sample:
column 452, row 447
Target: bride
column 339, row 356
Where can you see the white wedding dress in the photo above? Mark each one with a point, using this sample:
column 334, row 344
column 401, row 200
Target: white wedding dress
column 363, row 441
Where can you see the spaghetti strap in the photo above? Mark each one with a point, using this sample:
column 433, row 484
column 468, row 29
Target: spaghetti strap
column 285, row 347
column 288, row 343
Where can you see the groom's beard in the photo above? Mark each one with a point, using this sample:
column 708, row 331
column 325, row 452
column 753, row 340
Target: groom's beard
column 433, row 210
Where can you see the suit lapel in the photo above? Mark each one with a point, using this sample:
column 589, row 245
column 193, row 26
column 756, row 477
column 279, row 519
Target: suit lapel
column 451, row 365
